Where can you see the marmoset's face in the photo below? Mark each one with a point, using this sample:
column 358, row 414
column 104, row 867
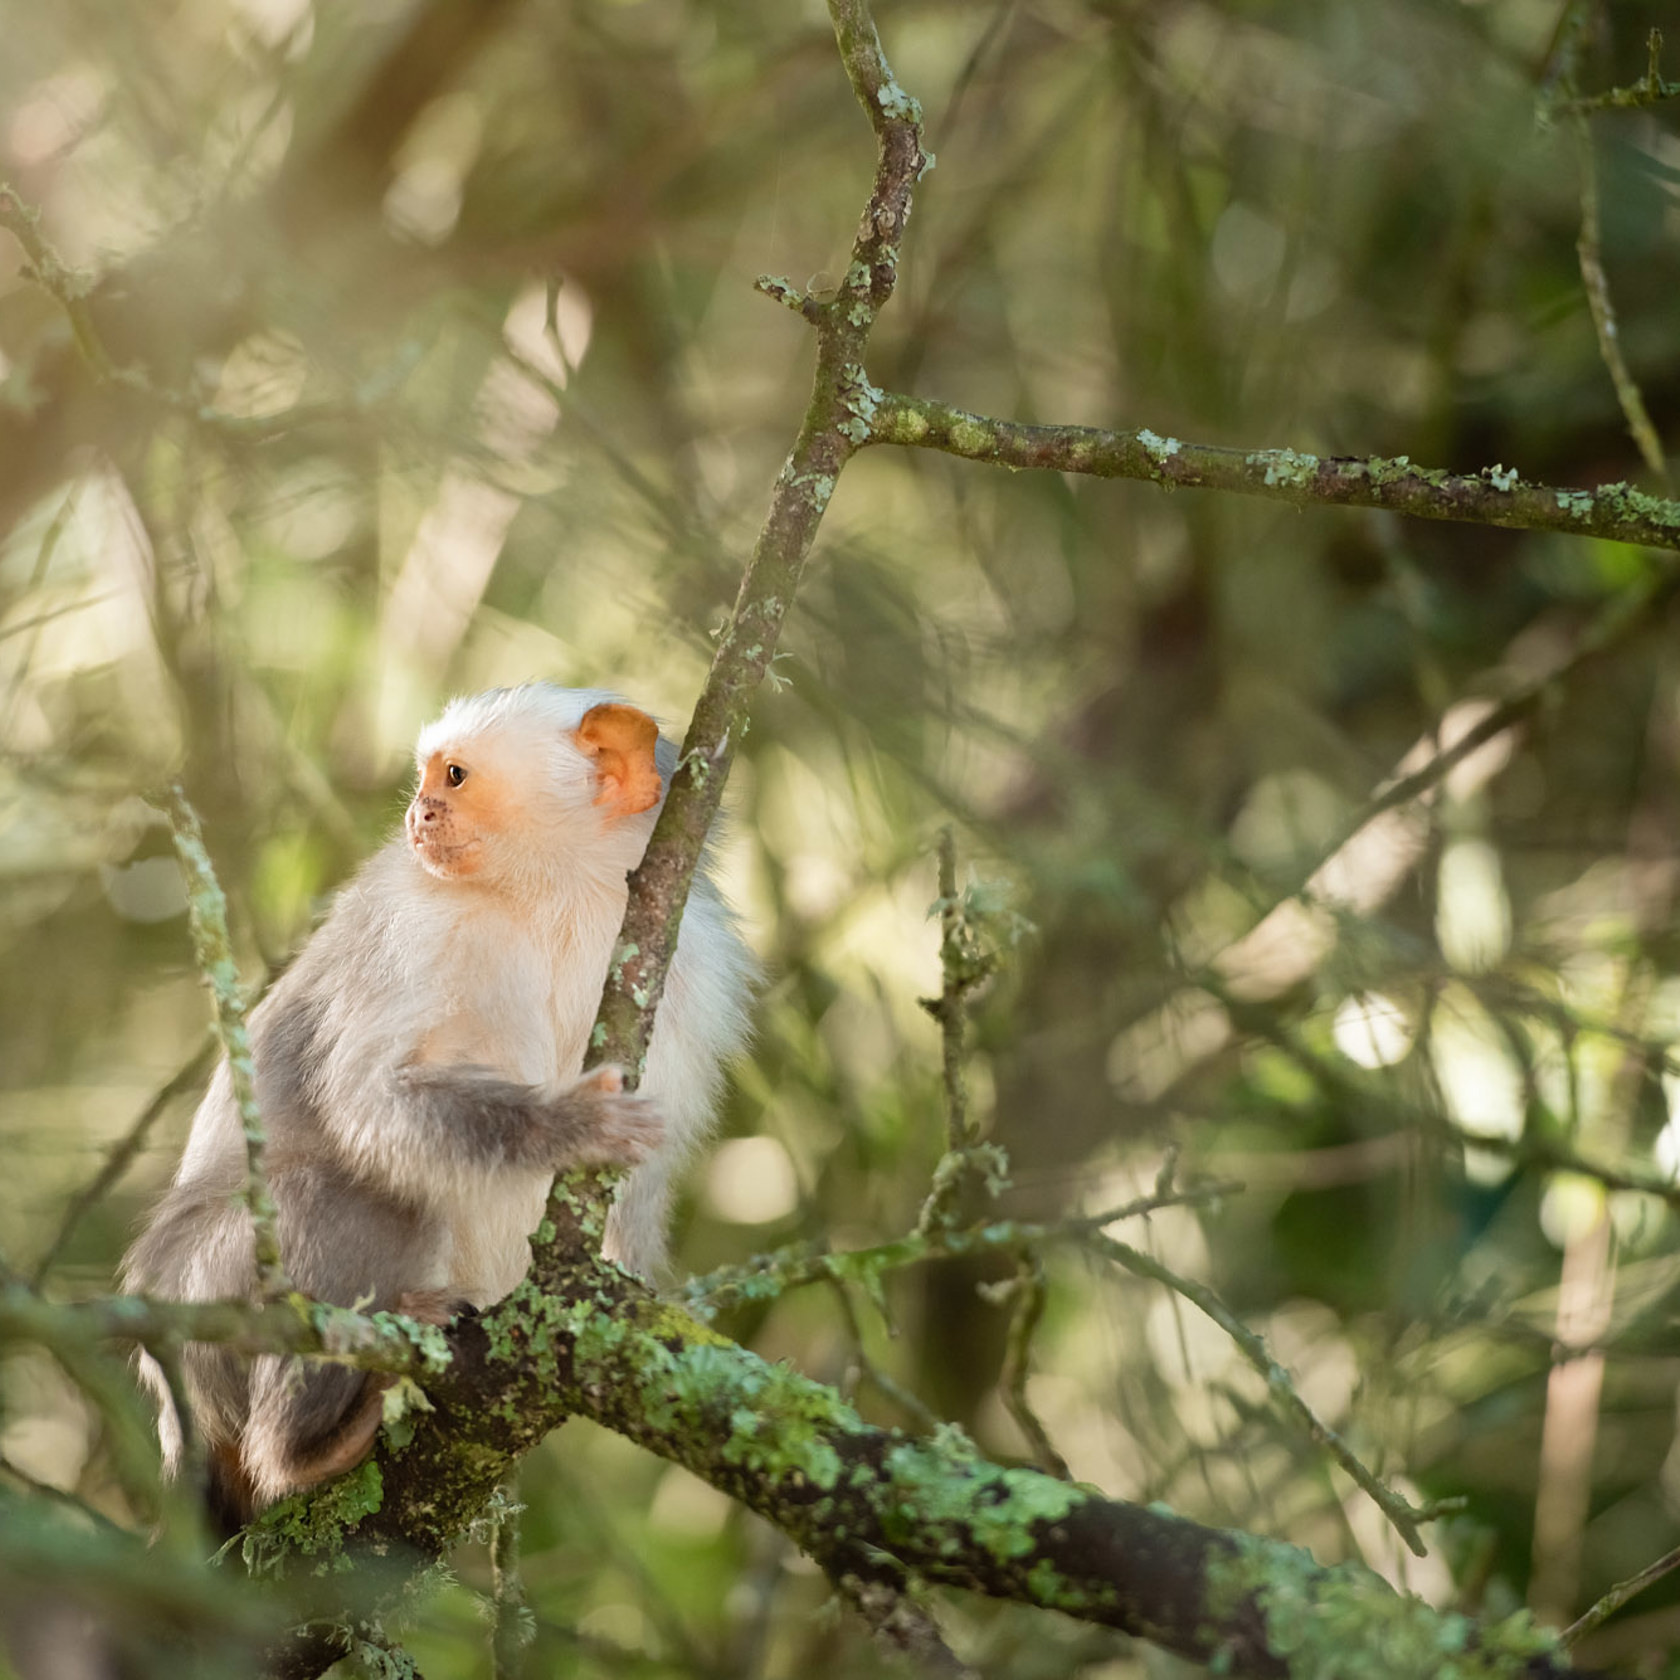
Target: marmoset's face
column 458, row 809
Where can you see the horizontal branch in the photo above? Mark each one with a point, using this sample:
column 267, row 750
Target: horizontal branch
column 371, row 1342
column 766, row 1276
column 1493, row 496
column 869, row 1505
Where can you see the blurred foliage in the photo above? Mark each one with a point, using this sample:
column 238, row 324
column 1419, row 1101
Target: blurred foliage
column 453, row 376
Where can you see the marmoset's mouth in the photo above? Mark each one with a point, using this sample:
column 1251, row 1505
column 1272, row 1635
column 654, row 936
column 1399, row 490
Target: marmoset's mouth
column 442, row 857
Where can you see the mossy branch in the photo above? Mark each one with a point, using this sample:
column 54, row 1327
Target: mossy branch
column 1493, row 496
column 207, row 913
column 878, row 1506
column 1618, row 1595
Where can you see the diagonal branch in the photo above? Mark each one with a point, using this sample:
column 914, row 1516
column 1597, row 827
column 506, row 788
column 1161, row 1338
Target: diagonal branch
column 837, row 422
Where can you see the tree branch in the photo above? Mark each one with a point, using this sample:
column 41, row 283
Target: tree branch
column 877, row 1506
column 1490, row 497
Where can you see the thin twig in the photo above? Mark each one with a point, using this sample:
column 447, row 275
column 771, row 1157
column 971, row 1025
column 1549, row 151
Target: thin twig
column 1624, row 614
column 1593, row 278
column 865, row 1368
column 766, row 1276
column 513, row 1627
column 49, row 271
column 122, row 1154
column 1252, row 1346
column 380, row 1341
column 1373, row 1097
column 1618, row 1595
column 54, row 275
column 1029, row 1293
column 904, row 1629
column 965, row 965
column 59, row 1496
column 1650, row 89
column 207, row 912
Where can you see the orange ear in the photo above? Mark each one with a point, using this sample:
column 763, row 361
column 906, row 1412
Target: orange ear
column 620, row 740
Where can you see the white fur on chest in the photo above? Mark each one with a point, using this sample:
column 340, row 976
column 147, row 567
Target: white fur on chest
column 527, row 996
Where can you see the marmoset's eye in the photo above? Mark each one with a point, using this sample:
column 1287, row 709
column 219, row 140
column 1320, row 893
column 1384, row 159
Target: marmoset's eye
column 456, row 774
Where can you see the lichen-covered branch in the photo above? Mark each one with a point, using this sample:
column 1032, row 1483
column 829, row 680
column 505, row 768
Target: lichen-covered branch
column 878, row 1506
column 370, row 1341
column 1494, row 496
column 207, row 912
column 836, row 423
column 511, row 1625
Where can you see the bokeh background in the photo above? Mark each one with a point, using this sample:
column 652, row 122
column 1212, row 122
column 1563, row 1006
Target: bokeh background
column 453, row 376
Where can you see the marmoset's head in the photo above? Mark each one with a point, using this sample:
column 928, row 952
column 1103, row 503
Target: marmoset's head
column 534, row 781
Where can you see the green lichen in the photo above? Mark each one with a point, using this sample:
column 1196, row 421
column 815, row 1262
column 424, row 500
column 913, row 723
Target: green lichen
column 971, row 437
column 1346, row 1623
column 1051, row 1588
column 898, row 104
column 909, row 425
column 996, row 1507
column 1628, row 503
column 1502, row 477
column 1158, row 448
column 399, row 1405
column 315, row 1524
column 1576, row 503
column 860, row 400
column 1285, row 466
